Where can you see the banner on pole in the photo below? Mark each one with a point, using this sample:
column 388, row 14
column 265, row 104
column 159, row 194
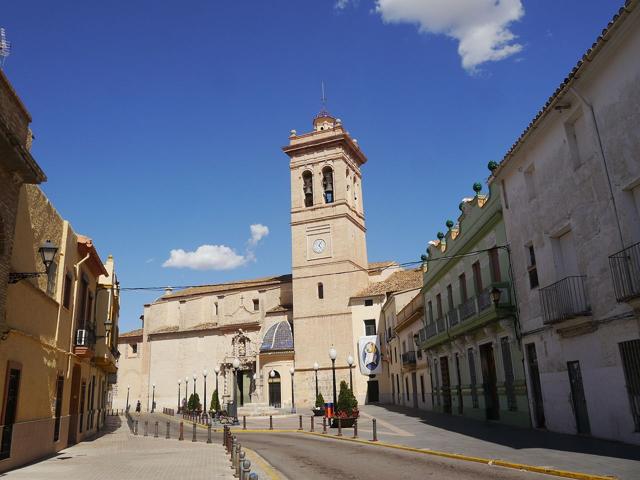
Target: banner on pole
column 369, row 355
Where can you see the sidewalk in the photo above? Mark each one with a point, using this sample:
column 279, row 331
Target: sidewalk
column 453, row 434
column 119, row 454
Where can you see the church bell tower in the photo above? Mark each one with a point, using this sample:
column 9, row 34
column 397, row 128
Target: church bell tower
column 329, row 251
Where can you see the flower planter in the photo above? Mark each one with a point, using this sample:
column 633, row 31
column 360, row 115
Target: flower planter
column 318, row 412
column 346, row 422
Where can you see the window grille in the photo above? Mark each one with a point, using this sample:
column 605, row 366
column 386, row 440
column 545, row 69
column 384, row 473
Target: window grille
column 512, row 403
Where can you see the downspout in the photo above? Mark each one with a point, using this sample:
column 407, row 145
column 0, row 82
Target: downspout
column 604, row 160
column 73, row 312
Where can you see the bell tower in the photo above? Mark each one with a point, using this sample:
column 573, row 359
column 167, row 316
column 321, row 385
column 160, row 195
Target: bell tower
column 329, row 251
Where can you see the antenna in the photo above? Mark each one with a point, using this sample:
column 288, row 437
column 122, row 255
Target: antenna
column 5, row 47
column 324, row 98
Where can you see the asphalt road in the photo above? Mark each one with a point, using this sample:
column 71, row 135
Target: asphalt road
column 301, row 457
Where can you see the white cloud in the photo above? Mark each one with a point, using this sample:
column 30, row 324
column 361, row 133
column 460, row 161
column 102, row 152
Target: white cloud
column 217, row 257
column 481, row 27
column 342, row 4
column 258, row 232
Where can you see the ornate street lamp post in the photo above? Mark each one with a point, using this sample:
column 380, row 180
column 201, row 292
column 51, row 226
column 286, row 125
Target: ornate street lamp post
column 350, row 362
column 332, row 355
column 179, row 389
column 204, row 400
column 194, row 390
column 293, row 403
column 217, row 370
column 316, row 367
column 236, row 365
column 186, row 391
column 153, row 398
column 128, row 387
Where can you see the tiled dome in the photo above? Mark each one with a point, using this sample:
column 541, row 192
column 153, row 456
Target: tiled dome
column 278, row 337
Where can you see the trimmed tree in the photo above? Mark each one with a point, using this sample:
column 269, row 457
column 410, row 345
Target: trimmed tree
column 319, row 401
column 347, row 404
column 194, row 402
column 215, row 402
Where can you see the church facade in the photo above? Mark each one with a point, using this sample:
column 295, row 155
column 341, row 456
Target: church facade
column 280, row 328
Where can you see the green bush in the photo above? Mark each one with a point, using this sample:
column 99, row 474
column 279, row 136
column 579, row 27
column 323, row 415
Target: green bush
column 194, row 402
column 215, row 402
column 347, row 403
column 319, row 401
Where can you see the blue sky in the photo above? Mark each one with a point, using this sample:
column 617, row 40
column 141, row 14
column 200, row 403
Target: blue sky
column 159, row 124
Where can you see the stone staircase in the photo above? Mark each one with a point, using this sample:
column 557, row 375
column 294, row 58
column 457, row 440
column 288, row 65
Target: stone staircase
column 260, row 409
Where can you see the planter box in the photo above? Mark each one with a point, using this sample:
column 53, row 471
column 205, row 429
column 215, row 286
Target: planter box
column 344, row 422
column 318, row 412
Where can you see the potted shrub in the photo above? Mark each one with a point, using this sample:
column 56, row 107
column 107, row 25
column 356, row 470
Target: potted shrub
column 347, row 408
column 318, row 410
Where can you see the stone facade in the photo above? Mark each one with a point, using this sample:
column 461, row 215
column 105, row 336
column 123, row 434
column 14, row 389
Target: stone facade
column 572, row 213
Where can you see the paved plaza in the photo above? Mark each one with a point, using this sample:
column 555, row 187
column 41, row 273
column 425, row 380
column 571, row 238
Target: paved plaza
column 120, row 454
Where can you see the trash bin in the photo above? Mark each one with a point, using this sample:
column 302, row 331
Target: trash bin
column 328, row 410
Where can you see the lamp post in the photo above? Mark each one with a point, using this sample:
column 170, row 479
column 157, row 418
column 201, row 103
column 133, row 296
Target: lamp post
column 293, row 403
column 204, row 400
column 153, row 398
column 179, row 383
column 217, row 370
column 236, row 365
column 316, row 367
column 332, row 355
column 495, row 296
column 128, row 387
column 186, row 390
column 194, row 390
column 350, row 363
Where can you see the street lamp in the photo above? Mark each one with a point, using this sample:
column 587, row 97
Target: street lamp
column 179, row 383
column 350, row 362
column 186, row 389
column 128, row 387
column 332, row 355
column 204, row 400
column 47, row 254
column 194, row 390
column 495, row 296
column 236, row 365
column 153, row 398
column 293, row 403
column 316, row 367
column 217, row 370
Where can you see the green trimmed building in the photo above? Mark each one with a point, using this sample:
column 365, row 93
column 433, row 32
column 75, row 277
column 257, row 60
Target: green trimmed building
column 471, row 334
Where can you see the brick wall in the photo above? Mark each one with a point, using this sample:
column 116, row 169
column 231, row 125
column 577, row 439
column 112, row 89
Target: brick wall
column 9, row 189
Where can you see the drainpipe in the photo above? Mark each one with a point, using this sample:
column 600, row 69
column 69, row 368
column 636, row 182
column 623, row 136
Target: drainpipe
column 73, row 311
column 584, row 101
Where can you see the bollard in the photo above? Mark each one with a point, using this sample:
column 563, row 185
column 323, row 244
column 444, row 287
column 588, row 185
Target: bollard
column 239, row 463
column 300, row 423
column 181, row 437
column 339, row 427
column 270, row 422
column 224, row 436
column 311, row 424
column 193, row 438
column 253, row 476
column 355, row 428
column 375, row 431
column 244, row 422
column 208, row 433
column 155, row 433
column 246, row 470
column 324, row 424
column 135, row 431
column 146, row 428
column 234, row 446
column 168, row 433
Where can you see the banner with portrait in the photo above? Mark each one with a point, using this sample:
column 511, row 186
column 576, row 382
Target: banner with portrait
column 369, row 355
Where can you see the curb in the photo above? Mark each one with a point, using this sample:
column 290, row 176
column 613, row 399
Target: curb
column 263, row 465
column 455, row 456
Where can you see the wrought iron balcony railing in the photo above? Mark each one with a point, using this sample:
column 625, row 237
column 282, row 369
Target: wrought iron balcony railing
column 409, row 358
column 565, row 299
column 452, row 317
column 484, row 299
column 431, row 330
column 85, row 337
column 625, row 270
column 441, row 325
column 468, row 308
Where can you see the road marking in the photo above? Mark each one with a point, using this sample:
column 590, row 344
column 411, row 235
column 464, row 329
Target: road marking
column 397, row 431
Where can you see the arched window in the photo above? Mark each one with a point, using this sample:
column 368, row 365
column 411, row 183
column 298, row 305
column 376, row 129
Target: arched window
column 307, row 188
column 327, row 184
column 320, row 291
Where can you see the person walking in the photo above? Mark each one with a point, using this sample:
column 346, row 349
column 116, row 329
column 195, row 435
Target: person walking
column 138, row 407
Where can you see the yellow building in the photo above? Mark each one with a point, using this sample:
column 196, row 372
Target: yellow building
column 60, row 344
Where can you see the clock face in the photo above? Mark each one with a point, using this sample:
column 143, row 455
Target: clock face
column 319, row 245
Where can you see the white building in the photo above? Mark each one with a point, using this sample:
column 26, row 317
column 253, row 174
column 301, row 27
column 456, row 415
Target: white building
column 571, row 197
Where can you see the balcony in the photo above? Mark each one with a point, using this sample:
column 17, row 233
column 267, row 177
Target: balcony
column 625, row 270
column 468, row 308
column 409, row 358
column 430, row 330
column 484, row 299
column 452, row 317
column 441, row 325
column 565, row 299
column 85, row 342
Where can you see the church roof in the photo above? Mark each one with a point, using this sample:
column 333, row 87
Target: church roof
column 225, row 287
column 278, row 337
column 397, row 282
column 132, row 333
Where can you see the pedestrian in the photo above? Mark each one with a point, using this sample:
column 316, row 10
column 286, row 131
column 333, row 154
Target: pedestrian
column 138, row 407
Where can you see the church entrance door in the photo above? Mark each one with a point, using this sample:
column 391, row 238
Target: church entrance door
column 274, row 390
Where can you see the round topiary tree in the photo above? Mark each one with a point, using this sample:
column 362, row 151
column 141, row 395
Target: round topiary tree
column 347, row 404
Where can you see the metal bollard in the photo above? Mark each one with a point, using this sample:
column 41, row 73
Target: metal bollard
column 244, row 422
column 355, row 428
column 209, row 433
column 270, row 422
column 181, row 437
column 234, row 446
column 324, row 424
column 300, row 423
column 155, row 433
column 246, row 470
column 193, row 438
column 135, row 428
column 146, row 428
column 339, row 427
column 311, row 424
column 375, row 431
column 168, row 430
column 253, row 476
column 239, row 463
column 224, row 436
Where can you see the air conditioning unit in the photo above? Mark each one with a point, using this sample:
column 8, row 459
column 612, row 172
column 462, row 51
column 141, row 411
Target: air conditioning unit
column 82, row 338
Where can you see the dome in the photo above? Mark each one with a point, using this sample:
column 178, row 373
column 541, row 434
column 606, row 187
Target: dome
column 278, row 337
